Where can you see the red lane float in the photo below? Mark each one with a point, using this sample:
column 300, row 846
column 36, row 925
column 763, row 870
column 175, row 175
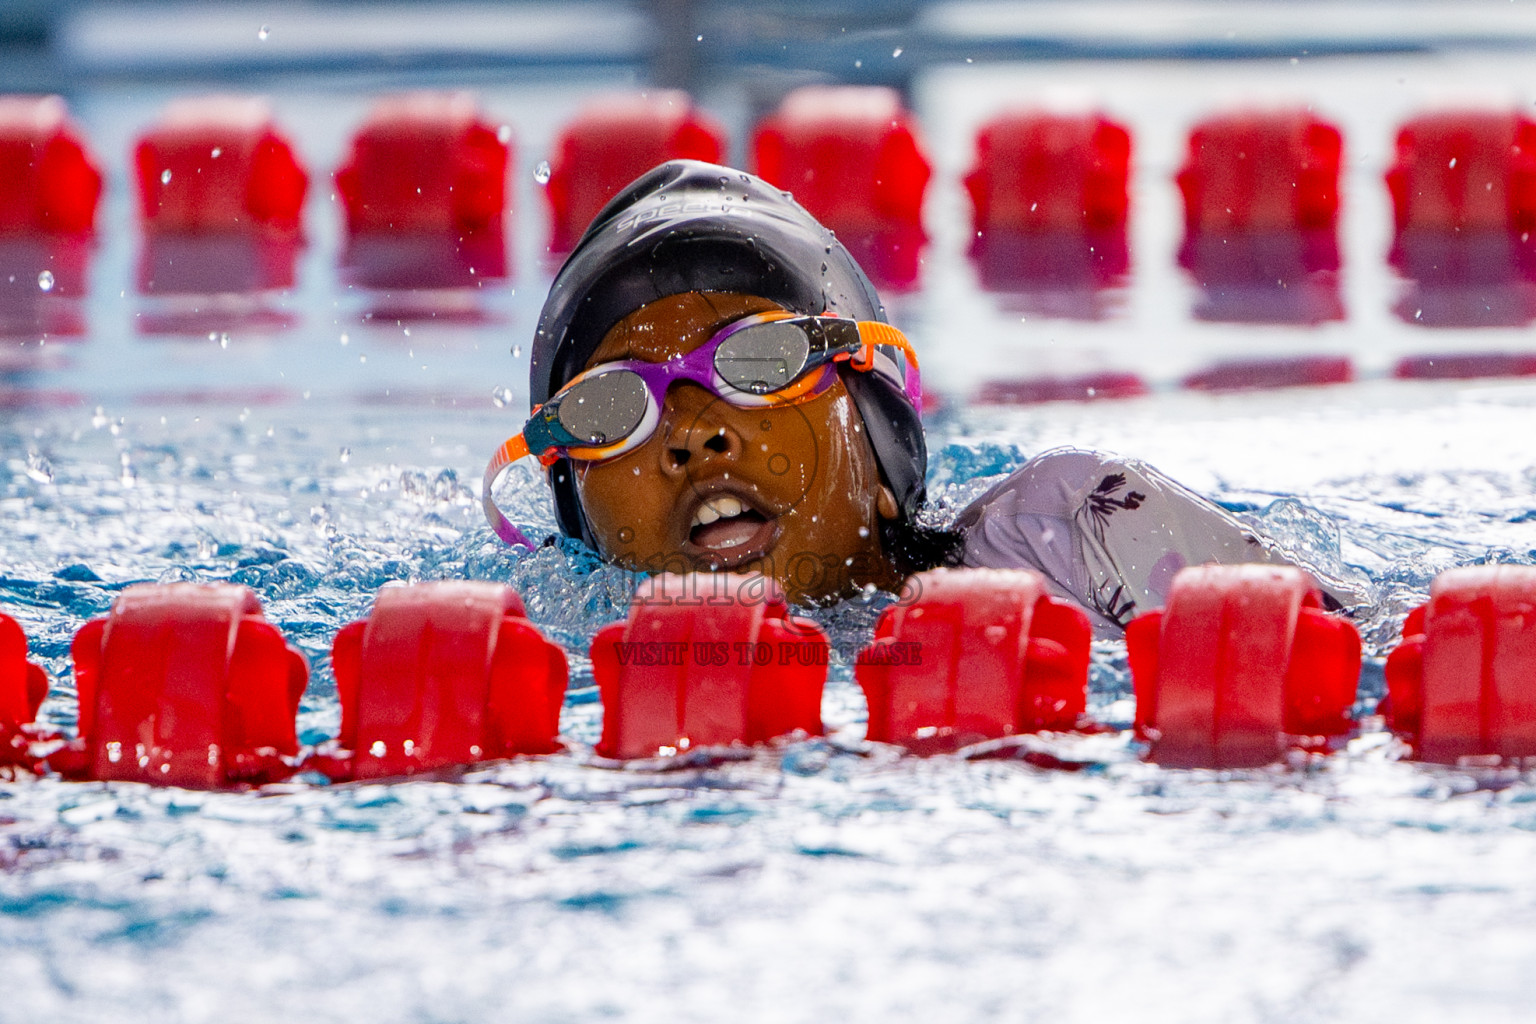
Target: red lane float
column 184, row 685
column 1036, row 171
column 49, row 185
column 443, row 674
column 971, row 655
column 23, row 686
column 1261, row 205
column 1241, row 657
column 707, row 659
column 424, row 188
column 1464, row 205
column 1465, row 171
column 1262, row 171
column 1049, row 195
column 852, row 157
column 221, row 197
column 1462, row 683
column 611, row 143
column 49, row 191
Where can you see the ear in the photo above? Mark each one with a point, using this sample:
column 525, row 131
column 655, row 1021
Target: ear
column 885, row 504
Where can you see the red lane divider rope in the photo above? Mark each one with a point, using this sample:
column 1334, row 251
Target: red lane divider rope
column 189, row 685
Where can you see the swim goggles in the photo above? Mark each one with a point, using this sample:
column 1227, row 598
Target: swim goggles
column 776, row 358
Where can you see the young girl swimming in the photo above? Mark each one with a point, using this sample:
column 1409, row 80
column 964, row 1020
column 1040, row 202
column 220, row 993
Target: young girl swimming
column 714, row 388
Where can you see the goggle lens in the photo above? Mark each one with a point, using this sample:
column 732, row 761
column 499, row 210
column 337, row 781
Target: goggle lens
column 764, row 357
column 606, row 407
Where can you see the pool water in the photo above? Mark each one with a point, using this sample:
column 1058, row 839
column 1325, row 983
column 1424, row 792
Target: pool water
column 818, row 880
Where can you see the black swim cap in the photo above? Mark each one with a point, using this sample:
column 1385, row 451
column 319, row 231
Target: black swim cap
column 688, row 226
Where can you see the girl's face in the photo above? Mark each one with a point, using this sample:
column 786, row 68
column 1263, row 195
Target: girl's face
column 791, row 491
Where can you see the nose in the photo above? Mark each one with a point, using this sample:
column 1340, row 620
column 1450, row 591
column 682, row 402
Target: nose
column 697, row 431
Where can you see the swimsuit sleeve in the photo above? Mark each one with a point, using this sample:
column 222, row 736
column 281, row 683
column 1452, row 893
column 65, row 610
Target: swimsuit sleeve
column 1111, row 533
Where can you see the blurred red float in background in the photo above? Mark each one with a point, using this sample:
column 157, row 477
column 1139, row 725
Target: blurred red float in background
column 221, row 198
column 49, row 191
column 852, row 156
column 611, row 143
column 1261, row 208
column 424, row 190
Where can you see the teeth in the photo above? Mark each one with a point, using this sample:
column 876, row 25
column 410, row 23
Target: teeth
column 723, row 507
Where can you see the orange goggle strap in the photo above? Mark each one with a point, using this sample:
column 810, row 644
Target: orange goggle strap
column 512, row 449
column 873, row 333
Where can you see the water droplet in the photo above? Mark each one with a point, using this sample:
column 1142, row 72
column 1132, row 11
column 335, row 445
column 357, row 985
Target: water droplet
column 45, row 280
column 517, row 351
column 39, row 468
column 698, row 39
column 165, row 176
column 896, row 52
column 501, row 397
column 99, row 418
column 224, row 340
column 863, row 531
column 346, row 453
column 445, row 486
column 541, row 172
column 345, row 341
column 1453, row 162
column 504, row 134
column 262, row 33
column 217, row 152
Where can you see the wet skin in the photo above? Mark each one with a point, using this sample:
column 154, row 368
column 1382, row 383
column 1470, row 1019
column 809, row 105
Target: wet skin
column 803, row 477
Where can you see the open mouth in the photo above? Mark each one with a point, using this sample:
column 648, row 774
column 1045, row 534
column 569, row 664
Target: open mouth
column 730, row 530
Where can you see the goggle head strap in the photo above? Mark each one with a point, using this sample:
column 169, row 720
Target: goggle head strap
column 512, row 449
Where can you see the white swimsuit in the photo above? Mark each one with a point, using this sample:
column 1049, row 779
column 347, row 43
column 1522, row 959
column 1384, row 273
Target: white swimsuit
column 1111, row 533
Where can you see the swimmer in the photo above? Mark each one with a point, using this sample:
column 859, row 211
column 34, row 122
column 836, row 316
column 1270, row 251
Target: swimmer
column 714, row 388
